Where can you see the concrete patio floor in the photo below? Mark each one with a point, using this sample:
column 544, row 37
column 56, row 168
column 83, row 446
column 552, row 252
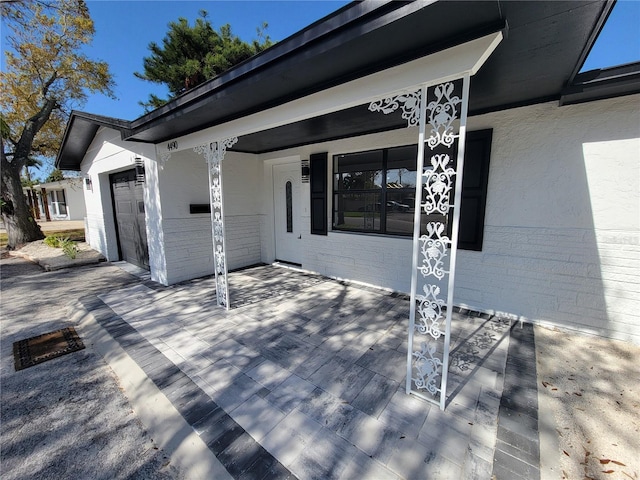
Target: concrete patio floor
column 305, row 378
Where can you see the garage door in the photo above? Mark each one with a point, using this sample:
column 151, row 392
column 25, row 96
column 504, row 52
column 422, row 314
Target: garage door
column 128, row 204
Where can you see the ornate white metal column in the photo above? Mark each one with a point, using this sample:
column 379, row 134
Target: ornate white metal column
column 214, row 153
column 443, row 108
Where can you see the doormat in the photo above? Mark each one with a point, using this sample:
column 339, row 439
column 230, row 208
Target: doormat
column 35, row 350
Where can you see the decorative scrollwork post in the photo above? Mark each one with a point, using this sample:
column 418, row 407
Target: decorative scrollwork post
column 442, row 108
column 214, row 153
column 164, row 158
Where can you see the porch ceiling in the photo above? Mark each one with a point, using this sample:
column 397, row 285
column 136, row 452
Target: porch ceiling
column 545, row 44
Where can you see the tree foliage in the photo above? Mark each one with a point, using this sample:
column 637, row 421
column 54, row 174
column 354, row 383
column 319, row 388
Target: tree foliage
column 55, row 176
column 190, row 55
column 46, row 76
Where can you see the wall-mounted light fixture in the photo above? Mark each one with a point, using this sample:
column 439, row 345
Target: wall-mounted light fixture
column 305, row 170
column 87, row 183
column 140, row 175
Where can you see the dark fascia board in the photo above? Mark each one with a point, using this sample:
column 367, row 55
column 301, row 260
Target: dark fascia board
column 603, row 83
column 607, row 8
column 103, row 121
column 354, row 19
column 79, row 133
column 339, row 31
column 137, row 136
column 349, row 13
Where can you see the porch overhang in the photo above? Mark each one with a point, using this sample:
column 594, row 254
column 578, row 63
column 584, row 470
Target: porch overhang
column 454, row 62
column 545, row 45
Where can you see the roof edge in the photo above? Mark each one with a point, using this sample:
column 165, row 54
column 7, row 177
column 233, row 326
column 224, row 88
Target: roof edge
column 342, row 17
column 123, row 126
column 607, row 8
column 603, row 83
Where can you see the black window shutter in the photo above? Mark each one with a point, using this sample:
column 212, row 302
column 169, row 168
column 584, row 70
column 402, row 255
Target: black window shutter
column 475, row 178
column 318, row 182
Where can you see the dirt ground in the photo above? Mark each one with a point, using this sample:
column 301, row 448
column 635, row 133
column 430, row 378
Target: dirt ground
column 67, row 417
column 591, row 387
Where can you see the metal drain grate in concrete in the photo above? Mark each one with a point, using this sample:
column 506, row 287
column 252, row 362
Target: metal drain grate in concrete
column 35, row 350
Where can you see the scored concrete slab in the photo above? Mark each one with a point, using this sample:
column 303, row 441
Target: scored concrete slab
column 268, row 355
column 517, row 453
column 164, row 423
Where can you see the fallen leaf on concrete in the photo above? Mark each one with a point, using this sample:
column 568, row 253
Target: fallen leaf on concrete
column 618, row 463
column 604, row 461
column 608, row 471
column 565, row 452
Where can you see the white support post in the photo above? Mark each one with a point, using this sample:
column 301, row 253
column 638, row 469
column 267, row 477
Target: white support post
column 416, row 234
column 462, row 134
column 214, row 153
column 442, row 107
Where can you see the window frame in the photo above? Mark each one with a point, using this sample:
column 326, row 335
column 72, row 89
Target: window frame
column 480, row 192
column 382, row 192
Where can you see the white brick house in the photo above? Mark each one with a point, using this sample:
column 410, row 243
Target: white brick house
column 59, row 200
column 552, row 229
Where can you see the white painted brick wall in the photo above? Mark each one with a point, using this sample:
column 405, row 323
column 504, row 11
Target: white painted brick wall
column 188, row 245
column 569, row 278
column 562, row 233
column 242, row 240
column 371, row 259
column 190, row 250
column 562, row 228
column 94, row 229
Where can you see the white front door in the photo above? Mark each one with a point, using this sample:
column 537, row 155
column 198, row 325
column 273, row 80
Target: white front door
column 286, row 201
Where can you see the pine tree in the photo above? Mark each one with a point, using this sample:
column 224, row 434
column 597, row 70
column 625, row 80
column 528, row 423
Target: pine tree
column 190, row 55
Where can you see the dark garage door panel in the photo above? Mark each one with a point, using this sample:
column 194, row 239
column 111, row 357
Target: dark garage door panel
column 128, row 202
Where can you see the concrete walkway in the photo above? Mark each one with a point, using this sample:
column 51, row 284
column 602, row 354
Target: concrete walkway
column 305, row 378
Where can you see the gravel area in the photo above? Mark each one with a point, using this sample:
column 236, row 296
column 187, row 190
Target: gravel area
column 67, row 417
column 589, row 389
column 50, row 258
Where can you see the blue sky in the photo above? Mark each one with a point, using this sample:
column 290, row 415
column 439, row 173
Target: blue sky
column 125, row 28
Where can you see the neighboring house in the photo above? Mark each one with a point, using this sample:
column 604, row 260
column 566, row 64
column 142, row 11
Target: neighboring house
column 60, row 200
column 550, row 221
